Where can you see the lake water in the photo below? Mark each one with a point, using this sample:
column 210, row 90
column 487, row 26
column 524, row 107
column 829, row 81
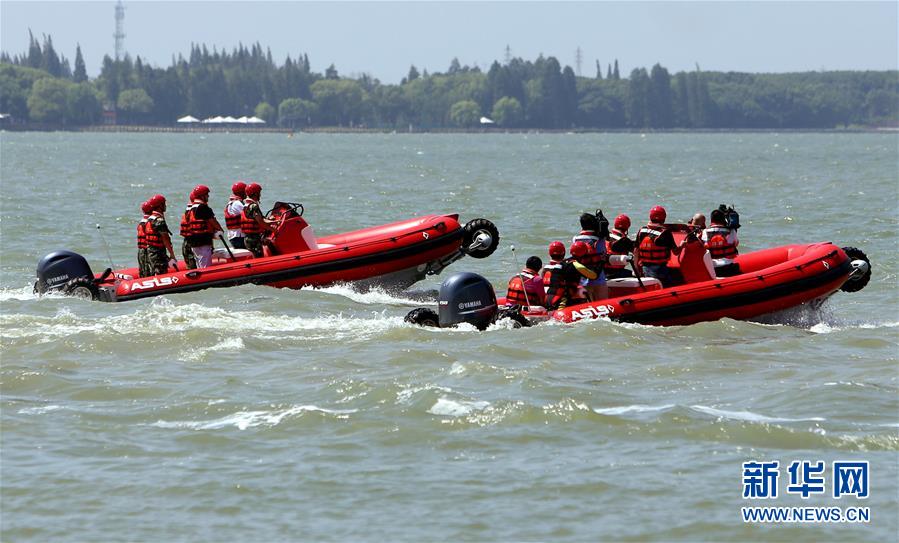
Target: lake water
column 268, row 415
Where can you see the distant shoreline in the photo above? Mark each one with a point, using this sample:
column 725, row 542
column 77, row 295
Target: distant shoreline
column 346, row 130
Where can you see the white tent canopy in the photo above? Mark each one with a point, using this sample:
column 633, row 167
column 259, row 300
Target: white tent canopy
column 229, row 119
column 255, row 120
column 188, row 119
column 485, row 120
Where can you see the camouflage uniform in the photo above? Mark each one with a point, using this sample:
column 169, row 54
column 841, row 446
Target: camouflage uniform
column 143, row 269
column 253, row 242
column 189, row 260
column 157, row 258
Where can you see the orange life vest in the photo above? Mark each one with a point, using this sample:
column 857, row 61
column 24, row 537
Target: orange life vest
column 647, row 250
column 232, row 222
column 191, row 225
column 553, row 267
column 717, row 243
column 248, row 224
column 154, row 238
column 528, row 292
column 141, row 235
column 593, row 259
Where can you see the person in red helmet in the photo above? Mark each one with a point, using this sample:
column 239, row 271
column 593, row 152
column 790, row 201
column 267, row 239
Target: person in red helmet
column 233, row 212
column 526, row 287
column 655, row 244
column 143, row 270
column 252, row 221
column 199, row 226
column 160, row 254
column 565, row 287
column 619, row 248
column 556, row 257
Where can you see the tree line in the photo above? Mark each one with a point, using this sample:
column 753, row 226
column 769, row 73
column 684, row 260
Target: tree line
column 41, row 86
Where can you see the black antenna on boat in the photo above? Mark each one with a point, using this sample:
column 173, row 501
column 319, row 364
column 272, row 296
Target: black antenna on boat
column 108, row 254
column 520, row 277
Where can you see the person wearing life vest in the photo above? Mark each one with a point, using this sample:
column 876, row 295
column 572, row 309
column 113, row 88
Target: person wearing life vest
column 199, row 226
column 160, row 254
column 697, row 223
column 721, row 242
column 252, row 221
column 233, row 212
column 565, row 288
column 526, row 287
column 655, row 244
column 143, row 270
column 595, row 258
column 619, row 247
column 556, row 256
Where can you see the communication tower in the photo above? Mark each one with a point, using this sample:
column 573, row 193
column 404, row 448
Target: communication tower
column 119, row 30
column 578, row 59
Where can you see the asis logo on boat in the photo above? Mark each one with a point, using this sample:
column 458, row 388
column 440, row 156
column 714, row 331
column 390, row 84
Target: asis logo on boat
column 592, row 312
column 153, row 283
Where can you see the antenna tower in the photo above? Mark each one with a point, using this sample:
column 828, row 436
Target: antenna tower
column 119, row 30
column 508, row 57
column 578, row 59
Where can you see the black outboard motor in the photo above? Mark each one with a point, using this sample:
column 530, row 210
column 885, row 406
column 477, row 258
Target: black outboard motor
column 464, row 297
column 65, row 272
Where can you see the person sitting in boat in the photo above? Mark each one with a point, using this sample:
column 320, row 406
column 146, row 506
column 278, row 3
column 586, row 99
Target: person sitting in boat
column 697, row 223
column 595, row 257
column 252, row 221
column 198, row 227
column 526, row 288
column 655, row 244
column 142, row 269
column 233, row 211
column 160, row 254
column 565, row 288
column 722, row 242
column 556, row 257
column 618, row 244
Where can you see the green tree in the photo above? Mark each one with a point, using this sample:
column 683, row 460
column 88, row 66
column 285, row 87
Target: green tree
column 339, row 101
column 294, row 112
column 266, row 112
column 80, row 74
column 465, row 113
column 134, row 104
column 48, row 100
column 82, row 104
column 507, row 112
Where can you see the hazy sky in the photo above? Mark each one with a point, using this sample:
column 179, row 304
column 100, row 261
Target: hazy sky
column 385, row 38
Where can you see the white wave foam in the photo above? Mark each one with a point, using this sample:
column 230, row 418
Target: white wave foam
column 637, row 408
column 375, row 296
column 40, row 410
column 229, row 345
column 249, row 419
column 24, row 293
column 405, row 395
column 457, row 408
column 748, row 416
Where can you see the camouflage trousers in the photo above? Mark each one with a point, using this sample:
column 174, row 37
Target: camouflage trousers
column 157, row 260
column 188, row 255
column 143, row 266
column 254, row 244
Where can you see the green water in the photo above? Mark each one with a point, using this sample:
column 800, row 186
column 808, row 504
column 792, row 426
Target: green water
column 268, row 415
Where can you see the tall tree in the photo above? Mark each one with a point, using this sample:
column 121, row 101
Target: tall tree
column 598, row 70
column 615, row 74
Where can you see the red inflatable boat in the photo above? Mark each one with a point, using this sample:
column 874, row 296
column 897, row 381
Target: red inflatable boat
column 770, row 280
column 393, row 255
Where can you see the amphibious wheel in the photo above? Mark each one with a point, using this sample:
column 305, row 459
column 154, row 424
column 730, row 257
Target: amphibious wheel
column 423, row 316
column 83, row 288
column 480, row 238
column 519, row 320
column 861, row 270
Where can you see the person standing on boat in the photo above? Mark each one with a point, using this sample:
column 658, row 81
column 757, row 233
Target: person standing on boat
column 160, row 254
column 252, row 221
column 565, row 286
column 619, row 244
column 143, row 270
column 595, row 258
column 655, row 244
column 721, row 241
column 697, row 223
column 556, row 257
column 526, row 288
column 233, row 212
column 199, row 226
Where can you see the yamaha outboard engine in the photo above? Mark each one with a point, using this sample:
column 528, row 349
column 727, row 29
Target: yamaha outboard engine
column 65, row 272
column 467, row 297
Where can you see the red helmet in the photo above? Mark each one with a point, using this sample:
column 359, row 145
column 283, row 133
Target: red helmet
column 146, row 207
column 201, row 192
column 657, row 214
column 239, row 189
column 557, row 249
column 579, row 249
column 157, row 202
column 254, row 190
column 622, row 222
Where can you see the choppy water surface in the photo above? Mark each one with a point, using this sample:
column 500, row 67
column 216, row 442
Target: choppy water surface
column 260, row 414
